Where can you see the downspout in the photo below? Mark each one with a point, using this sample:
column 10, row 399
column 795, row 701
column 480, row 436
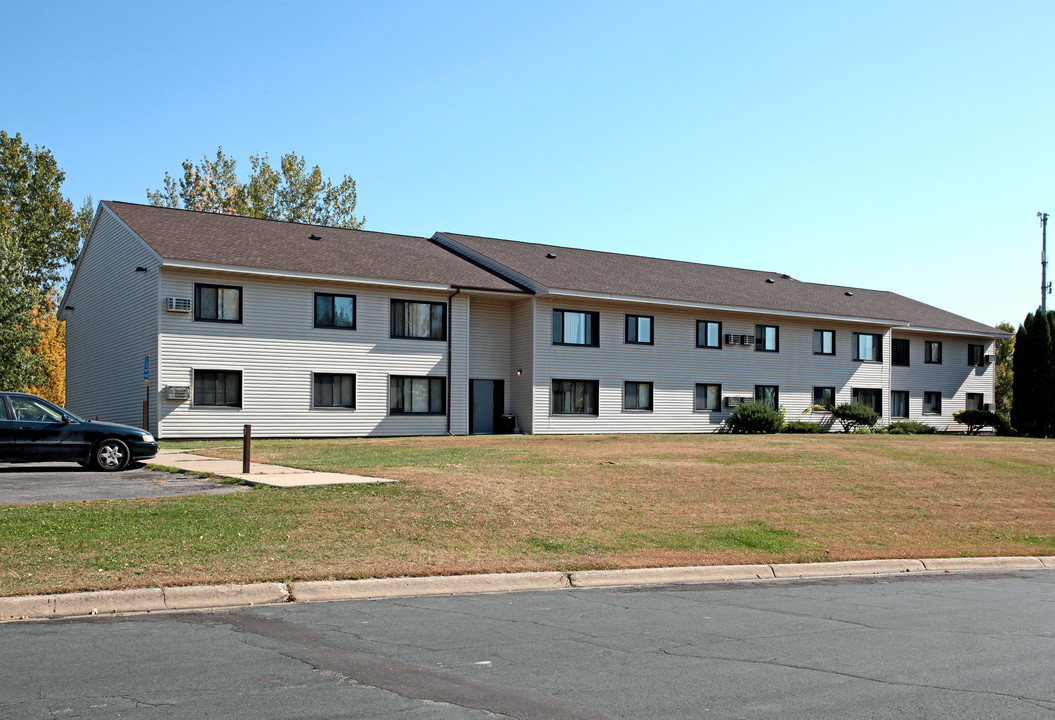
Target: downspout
column 450, row 332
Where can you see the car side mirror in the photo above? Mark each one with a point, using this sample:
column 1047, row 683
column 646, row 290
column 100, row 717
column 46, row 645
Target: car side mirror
column 66, row 420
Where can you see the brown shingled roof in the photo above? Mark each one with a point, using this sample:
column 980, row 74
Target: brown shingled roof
column 632, row 275
column 217, row 239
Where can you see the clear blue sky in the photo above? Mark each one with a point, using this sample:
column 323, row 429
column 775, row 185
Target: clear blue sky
column 904, row 146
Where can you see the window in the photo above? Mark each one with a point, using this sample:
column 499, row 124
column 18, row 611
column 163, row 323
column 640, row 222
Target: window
column 868, row 346
column 824, row 397
column 639, row 329
column 217, row 303
column 899, row 351
column 571, row 327
column 708, row 334
column 975, row 401
column 30, row 410
column 637, row 396
column 218, row 388
column 337, row 391
column 419, row 320
column 932, row 403
column 932, row 352
column 975, row 355
column 767, row 338
column 334, row 311
column 823, row 342
column 768, row 395
column 419, row 395
column 574, row 397
column 869, row 397
column 708, row 398
column 899, row 403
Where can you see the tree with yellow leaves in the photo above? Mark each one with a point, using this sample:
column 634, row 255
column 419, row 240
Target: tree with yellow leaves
column 52, row 353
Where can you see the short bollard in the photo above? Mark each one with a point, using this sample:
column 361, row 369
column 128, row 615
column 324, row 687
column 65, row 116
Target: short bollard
column 247, row 442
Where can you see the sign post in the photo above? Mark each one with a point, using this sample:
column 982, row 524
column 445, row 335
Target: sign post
column 146, row 399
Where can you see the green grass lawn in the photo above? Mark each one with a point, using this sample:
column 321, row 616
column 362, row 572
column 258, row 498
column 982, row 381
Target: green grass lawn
column 510, row 503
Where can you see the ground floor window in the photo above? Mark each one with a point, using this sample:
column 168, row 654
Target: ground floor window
column 932, row 403
column 574, row 397
column 708, row 397
column 768, row 395
column 869, row 397
column 333, row 391
column 975, row 401
column 637, row 396
column 422, row 395
column 899, row 404
column 824, row 397
column 218, row 388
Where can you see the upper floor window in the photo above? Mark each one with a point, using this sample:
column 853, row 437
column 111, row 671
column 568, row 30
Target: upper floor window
column 637, row 396
column 708, row 334
column 576, row 327
column 869, row 397
column 868, row 346
column 708, row 397
column 768, row 395
column 639, row 329
column 574, row 397
column 767, row 338
column 932, row 352
column 899, row 352
column 218, row 388
column 420, row 395
column 975, row 401
column 823, row 342
column 333, row 391
column 419, row 320
column 217, row 303
column 976, row 355
column 334, row 311
column 932, row 403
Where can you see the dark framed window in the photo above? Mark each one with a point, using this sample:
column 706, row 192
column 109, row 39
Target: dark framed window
column 868, row 347
column 824, row 397
column 869, row 397
column 976, row 355
column 639, row 330
column 637, row 395
column 334, row 311
column 333, row 391
column 768, row 395
column 217, row 303
column 419, row 320
column 574, row 397
column 932, row 352
column 823, row 342
column 708, row 334
column 899, row 352
column 576, row 327
column 975, row 401
column 899, row 403
column 708, row 398
column 767, row 338
column 417, row 395
column 218, row 388
column 932, row 403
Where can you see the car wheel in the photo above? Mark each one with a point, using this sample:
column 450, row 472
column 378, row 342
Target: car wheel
column 111, row 455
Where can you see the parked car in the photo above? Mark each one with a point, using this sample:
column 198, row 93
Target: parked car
column 35, row 430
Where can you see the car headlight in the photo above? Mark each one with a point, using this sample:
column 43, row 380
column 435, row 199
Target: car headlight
column 147, row 437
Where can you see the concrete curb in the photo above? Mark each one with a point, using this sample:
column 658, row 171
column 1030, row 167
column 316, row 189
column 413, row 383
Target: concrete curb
column 205, row 597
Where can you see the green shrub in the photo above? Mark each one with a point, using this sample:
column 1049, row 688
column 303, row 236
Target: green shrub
column 975, row 420
column 910, row 427
column 852, row 417
column 800, row 426
column 754, row 417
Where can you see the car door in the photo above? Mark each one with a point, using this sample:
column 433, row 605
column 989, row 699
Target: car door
column 44, row 433
column 8, row 451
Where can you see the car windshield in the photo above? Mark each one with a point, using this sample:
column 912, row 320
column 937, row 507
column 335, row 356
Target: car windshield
column 34, row 410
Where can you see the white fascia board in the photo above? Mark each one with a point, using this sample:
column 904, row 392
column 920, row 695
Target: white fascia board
column 286, row 274
column 966, row 333
column 728, row 308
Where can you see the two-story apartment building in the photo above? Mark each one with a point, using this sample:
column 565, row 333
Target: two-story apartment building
column 215, row 321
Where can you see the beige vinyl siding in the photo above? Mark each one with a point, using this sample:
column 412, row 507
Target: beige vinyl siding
column 277, row 349
column 522, row 359
column 953, row 378
column 459, row 399
column 490, row 321
column 112, row 326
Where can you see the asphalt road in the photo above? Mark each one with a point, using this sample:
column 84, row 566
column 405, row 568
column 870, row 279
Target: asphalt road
column 954, row 646
column 27, row 483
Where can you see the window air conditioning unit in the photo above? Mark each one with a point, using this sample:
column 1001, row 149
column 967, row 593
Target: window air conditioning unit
column 988, row 359
column 987, row 407
column 178, row 392
column 731, row 339
column 732, row 401
column 179, row 304
column 747, row 339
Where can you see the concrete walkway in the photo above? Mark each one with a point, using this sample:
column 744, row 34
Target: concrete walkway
column 260, row 473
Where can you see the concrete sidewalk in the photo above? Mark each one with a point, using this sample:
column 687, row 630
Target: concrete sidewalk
column 260, row 473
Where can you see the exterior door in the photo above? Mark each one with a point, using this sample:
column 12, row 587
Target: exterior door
column 487, row 400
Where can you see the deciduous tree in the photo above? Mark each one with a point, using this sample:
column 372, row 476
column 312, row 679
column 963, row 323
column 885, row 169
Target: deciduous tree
column 1005, row 372
column 19, row 334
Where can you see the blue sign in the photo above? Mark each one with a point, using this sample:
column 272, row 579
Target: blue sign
column 146, row 367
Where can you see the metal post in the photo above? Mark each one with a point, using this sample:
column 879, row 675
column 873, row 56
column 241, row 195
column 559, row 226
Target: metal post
column 1045, row 286
column 247, row 441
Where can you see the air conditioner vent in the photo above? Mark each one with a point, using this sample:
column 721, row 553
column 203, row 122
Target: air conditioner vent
column 177, row 392
column 179, row 304
column 731, row 339
column 988, row 359
column 747, row 339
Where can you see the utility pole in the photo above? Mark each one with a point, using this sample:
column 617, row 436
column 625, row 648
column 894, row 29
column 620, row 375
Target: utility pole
column 1045, row 286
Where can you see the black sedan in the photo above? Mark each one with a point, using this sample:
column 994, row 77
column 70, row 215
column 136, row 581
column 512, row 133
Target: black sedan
column 35, row 430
